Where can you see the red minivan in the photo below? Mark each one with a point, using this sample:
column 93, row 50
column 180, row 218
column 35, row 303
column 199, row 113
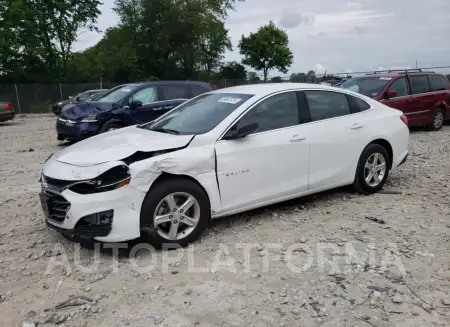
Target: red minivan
column 424, row 97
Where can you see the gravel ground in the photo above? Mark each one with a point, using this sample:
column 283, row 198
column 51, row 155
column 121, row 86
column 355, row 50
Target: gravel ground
column 404, row 281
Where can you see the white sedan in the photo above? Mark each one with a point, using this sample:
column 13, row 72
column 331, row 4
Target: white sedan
column 219, row 154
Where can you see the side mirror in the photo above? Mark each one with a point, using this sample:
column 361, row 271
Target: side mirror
column 236, row 133
column 135, row 104
column 391, row 94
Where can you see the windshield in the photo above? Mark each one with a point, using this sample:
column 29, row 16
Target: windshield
column 199, row 115
column 369, row 86
column 116, row 94
column 96, row 96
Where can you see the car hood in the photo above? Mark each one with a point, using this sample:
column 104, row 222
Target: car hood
column 118, row 145
column 83, row 109
column 62, row 103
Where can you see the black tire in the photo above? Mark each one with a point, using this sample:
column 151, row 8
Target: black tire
column 108, row 126
column 360, row 185
column 437, row 121
column 157, row 194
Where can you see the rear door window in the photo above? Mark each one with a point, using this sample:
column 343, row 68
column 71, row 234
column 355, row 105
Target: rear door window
column 419, row 84
column 175, row 91
column 438, row 83
column 198, row 89
column 327, row 104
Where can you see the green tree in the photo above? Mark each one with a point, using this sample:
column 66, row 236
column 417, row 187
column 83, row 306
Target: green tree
column 266, row 49
column 311, row 76
column 233, row 70
column 298, row 78
column 112, row 59
column 176, row 38
column 276, row 79
column 37, row 36
column 253, row 77
column 59, row 22
column 20, row 51
column 213, row 43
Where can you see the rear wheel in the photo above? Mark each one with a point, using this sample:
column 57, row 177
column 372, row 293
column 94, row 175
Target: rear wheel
column 437, row 121
column 372, row 170
column 175, row 211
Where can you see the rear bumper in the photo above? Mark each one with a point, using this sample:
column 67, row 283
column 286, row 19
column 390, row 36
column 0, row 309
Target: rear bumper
column 7, row 115
column 75, row 131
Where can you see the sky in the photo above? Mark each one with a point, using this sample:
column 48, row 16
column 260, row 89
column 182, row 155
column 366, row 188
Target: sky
column 337, row 35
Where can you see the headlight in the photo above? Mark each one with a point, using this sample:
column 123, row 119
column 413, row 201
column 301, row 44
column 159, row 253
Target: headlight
column 89, row 119
column 113, row 179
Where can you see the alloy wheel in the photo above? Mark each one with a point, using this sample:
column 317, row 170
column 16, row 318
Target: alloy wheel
column 438, row 119
column 375, row 169
column 176, row 216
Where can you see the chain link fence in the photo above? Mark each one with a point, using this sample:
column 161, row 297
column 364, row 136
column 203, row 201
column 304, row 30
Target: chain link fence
column 38, row 98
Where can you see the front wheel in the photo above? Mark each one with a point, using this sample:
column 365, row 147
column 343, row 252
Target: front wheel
column 108, row 127
column 175, row 211
column 438, row 120
column 372, row 170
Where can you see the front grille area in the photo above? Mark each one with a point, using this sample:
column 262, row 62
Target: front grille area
column 57, row 206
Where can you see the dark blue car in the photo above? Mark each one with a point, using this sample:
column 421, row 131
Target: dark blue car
column 124, row 105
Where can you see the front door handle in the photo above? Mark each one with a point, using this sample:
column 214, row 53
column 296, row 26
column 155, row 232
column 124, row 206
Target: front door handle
column 357, row 126
column 168, row 107
column 158, row 108
column 297, row 138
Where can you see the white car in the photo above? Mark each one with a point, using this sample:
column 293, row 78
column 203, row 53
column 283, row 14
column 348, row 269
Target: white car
column 221, row 153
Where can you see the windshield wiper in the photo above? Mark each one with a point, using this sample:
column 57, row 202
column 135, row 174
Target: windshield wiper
column 165, row 130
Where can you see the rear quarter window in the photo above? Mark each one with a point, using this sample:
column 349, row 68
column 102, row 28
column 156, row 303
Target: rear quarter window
column 357, row 104
column 175, row 91
column 438, row 83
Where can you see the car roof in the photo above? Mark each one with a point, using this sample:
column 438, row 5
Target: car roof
column 374, row 75
column 268, row 88
column 156, row 83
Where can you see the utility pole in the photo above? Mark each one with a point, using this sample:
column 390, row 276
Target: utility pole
column 416, row 63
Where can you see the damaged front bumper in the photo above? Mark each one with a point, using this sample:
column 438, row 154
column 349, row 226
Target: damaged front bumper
column 107, row 217
column 75, row 131
column 110, row 216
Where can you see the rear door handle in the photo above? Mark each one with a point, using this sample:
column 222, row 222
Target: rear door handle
column 297, row 138
column 168, row 107
column 357, row 126
column 158, row 108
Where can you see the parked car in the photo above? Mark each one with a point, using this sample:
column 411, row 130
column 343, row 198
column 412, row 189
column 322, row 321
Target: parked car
column 84, row 96
column 218, row 154
column 424, row 97
column 124, row 105
column 6, row 111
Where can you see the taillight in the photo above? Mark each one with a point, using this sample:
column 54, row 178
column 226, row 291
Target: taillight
column 404, row 119
column 7, row 106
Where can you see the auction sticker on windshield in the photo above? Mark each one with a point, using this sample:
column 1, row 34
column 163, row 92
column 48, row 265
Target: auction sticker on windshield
column 230, row 100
